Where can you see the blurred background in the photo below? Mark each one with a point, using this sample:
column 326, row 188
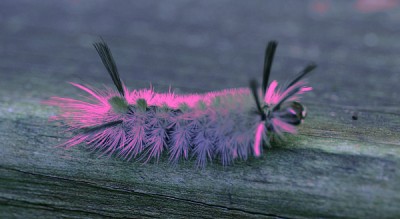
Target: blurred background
column 199, row 46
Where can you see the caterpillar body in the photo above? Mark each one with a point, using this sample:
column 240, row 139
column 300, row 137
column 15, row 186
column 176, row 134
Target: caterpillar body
column 142, row 124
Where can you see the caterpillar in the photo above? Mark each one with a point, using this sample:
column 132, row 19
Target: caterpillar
column 222, row 125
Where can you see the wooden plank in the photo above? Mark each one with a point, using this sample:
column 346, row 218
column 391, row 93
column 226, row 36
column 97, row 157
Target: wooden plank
column 335, row 167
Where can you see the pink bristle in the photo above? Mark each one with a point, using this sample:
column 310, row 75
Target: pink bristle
column 281, row 126
column 258, row 139
column 272, row 96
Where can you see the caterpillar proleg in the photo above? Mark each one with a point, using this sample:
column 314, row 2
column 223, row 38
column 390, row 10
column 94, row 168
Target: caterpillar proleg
column 222, row 125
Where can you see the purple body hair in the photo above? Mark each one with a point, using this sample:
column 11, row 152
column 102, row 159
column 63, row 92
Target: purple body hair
column 143, row 124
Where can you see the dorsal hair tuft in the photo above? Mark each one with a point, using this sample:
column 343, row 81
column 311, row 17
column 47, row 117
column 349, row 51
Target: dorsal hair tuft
column 107, row 58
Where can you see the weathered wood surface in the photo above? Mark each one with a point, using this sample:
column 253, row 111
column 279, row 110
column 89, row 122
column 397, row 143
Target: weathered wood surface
column 335, row 167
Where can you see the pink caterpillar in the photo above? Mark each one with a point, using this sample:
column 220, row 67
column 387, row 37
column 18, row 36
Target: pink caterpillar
column 223, row 125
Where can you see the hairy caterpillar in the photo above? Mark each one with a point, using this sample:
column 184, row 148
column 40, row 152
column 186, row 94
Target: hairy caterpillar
column 225, row 125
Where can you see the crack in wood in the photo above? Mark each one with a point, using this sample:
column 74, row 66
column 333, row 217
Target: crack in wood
column 349, row 139
column 154, row 195
column 48, row 207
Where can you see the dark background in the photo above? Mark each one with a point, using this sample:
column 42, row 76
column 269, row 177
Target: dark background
column 198, row 46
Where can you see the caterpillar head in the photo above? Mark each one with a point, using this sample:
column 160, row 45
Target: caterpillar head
column 293, row 113
column 279, row 108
